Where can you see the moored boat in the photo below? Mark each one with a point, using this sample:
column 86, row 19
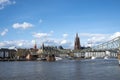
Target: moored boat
column 58, row 58
column 93, row 57
column 106, row 57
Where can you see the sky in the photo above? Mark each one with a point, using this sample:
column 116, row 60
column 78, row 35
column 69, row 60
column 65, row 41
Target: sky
column 56, row 22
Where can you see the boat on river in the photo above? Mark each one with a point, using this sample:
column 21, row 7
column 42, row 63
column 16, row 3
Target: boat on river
column 58, row 58
column 93, row 57
column 106, row 57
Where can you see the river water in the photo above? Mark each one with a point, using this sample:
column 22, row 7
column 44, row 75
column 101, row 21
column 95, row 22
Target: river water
column 61, row 70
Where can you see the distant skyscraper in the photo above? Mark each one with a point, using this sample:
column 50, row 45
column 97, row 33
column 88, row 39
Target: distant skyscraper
column 35, row 46
column 43, row 46
column 77, row 42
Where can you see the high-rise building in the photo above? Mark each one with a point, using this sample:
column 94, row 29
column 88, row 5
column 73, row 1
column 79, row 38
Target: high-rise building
column 77, row 42
column 35, row 46
column 43, row 46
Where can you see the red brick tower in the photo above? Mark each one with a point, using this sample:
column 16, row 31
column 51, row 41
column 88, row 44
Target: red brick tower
column 77, row 42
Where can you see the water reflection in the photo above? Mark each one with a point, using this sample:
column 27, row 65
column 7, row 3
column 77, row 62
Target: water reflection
column 61, row 70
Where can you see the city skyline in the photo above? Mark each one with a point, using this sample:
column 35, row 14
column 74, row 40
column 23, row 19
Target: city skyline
column 56, row 22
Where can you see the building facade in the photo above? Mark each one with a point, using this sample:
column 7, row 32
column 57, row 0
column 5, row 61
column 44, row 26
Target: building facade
column 7, row 53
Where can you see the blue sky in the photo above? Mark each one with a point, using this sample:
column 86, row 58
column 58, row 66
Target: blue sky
column 55, row 22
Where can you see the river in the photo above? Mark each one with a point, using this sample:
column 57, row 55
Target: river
column 96, row 69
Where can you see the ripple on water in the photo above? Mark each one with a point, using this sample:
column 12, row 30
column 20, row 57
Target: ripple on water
column 61, row 70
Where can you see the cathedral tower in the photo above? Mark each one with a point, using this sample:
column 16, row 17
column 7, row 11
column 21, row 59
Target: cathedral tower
column 77, row 42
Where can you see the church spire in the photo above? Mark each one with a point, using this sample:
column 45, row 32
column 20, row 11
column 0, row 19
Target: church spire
column 77, row 42
column 76, row 34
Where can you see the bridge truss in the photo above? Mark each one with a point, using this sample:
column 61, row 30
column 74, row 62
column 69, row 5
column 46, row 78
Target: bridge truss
column 112, row 45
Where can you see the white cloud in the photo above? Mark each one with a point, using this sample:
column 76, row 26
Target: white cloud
column 45, row 38
column 48, row 39
column 94, row 39
column 116, row 34
column 4, row 32
column 4, row 3
column 23, row 25
column 65, row 35
column 92, row 35
column 57, row 42
column 20, row 44
column 41, row 35
column 2, row 44
column 27, row 43
column 17, row 43
column 50, row 42
column 63, row 42
column 66, row 43
column 33, row 41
